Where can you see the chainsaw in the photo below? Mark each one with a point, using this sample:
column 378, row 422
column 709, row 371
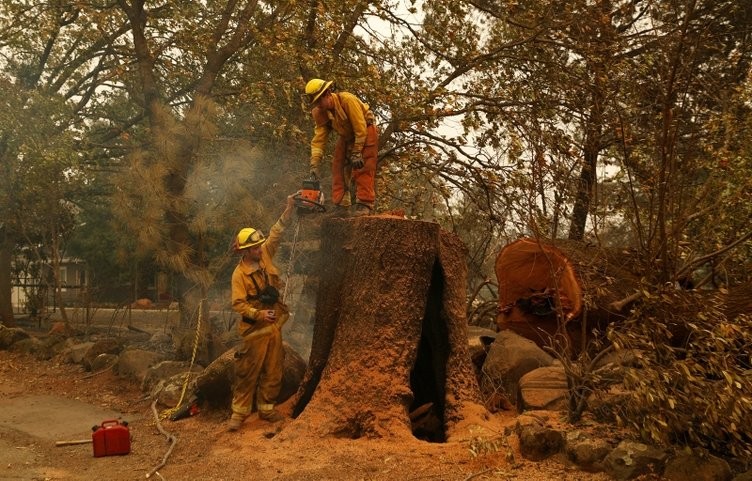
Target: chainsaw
column 310, row 199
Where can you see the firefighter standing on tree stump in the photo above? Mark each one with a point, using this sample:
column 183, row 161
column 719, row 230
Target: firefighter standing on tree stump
column 356, row 151
column 256, row 287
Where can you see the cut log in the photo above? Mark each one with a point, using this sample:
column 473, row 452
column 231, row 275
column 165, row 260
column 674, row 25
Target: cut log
column 390, row 334
column 560, row 292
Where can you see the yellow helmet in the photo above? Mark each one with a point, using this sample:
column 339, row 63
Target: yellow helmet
column 315, row 88
column 249, row 237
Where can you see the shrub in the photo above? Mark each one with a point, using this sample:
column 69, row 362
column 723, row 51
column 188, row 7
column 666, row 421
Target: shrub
column 692, row 384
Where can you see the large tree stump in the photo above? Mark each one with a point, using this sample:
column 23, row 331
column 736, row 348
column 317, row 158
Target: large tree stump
column 557, row 294
column 390, row 335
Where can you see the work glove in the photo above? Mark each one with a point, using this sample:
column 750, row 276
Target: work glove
column 314, row 174
column 357, row 161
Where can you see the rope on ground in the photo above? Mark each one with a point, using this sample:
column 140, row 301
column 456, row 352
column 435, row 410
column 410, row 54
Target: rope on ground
column 170, row 437
column 169, row 412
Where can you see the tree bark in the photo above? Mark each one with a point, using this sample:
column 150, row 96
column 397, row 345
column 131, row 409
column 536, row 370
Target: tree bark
column 738, row 301
column 390, row 333
column 6, row 302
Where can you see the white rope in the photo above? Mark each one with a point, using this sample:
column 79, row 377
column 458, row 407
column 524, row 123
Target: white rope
column 292, row 258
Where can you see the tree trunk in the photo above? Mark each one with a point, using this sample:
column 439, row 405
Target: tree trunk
column 390, row 334
column 6, row 302
column 738, row 301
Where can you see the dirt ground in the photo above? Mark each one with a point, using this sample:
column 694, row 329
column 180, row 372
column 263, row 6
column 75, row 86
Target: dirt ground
column 47, row 401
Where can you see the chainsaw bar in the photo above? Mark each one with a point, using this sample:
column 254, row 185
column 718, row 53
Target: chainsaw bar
column 307, row 204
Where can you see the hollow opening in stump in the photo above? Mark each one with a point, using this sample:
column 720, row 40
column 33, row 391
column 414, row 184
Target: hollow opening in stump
column 428, row 375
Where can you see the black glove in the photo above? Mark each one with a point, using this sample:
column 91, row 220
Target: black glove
column 357, row 161
column 314, row 174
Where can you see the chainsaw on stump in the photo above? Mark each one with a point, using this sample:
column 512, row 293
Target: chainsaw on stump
column 310, row 199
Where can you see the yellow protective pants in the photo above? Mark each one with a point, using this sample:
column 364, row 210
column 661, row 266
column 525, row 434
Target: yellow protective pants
column 258, row 370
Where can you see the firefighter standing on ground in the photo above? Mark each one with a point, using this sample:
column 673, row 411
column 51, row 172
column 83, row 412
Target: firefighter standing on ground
column 256, row 285
column 356, row 150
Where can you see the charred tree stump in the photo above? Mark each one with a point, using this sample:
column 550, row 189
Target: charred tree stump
column 390, row 335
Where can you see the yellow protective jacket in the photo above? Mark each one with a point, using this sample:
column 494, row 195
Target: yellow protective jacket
column 349, row 119
column 243, row 277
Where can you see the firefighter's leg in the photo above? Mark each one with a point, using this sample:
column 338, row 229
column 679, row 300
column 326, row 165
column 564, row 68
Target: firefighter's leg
column 249, row 362
column 365, row 190
column 271, row 377
column 339, row 181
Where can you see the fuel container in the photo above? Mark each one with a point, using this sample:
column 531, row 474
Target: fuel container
column 111, row 438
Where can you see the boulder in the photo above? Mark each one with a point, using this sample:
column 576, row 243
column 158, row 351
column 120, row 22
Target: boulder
column 586, row 452
column 11, row 335
column 133, row 363
column 631, row 459
column 544, row 388
column 74, row 354
column 103, row 346
column 697, row 468
column 29, row 345
column 165, row 370
column 103, row 361
column 510, row 357
column 538, row 440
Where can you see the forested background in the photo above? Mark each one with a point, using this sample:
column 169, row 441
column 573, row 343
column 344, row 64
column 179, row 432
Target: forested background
column 139, row 136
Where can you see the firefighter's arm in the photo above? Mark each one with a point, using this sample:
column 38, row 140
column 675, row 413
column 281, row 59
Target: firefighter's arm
column 320, row 136
column 275, row 234
column 239, row 302
column 356, row 113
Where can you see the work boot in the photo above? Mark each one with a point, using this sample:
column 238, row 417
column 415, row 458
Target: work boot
column 361, row 209
column 234, row 424
column 272, row 416
column 338, row 211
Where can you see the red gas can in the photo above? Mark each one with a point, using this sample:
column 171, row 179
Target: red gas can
column 110, row 438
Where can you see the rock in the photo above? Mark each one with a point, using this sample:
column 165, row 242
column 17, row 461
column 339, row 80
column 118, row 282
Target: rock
column 697, row 468
column 163, row 371
column 586, row 452
column 103, row 361
column 479, row 340
column 631, row 459
column 29, row 345
column 11, row 335
column 168, row 392
column 75, row 353
column 133, row 363
column 103, row 346
column 160, row 338
column 52, row 346
column 510, row 357
column 538, row 441
column 543, row 388
column 294, row 367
